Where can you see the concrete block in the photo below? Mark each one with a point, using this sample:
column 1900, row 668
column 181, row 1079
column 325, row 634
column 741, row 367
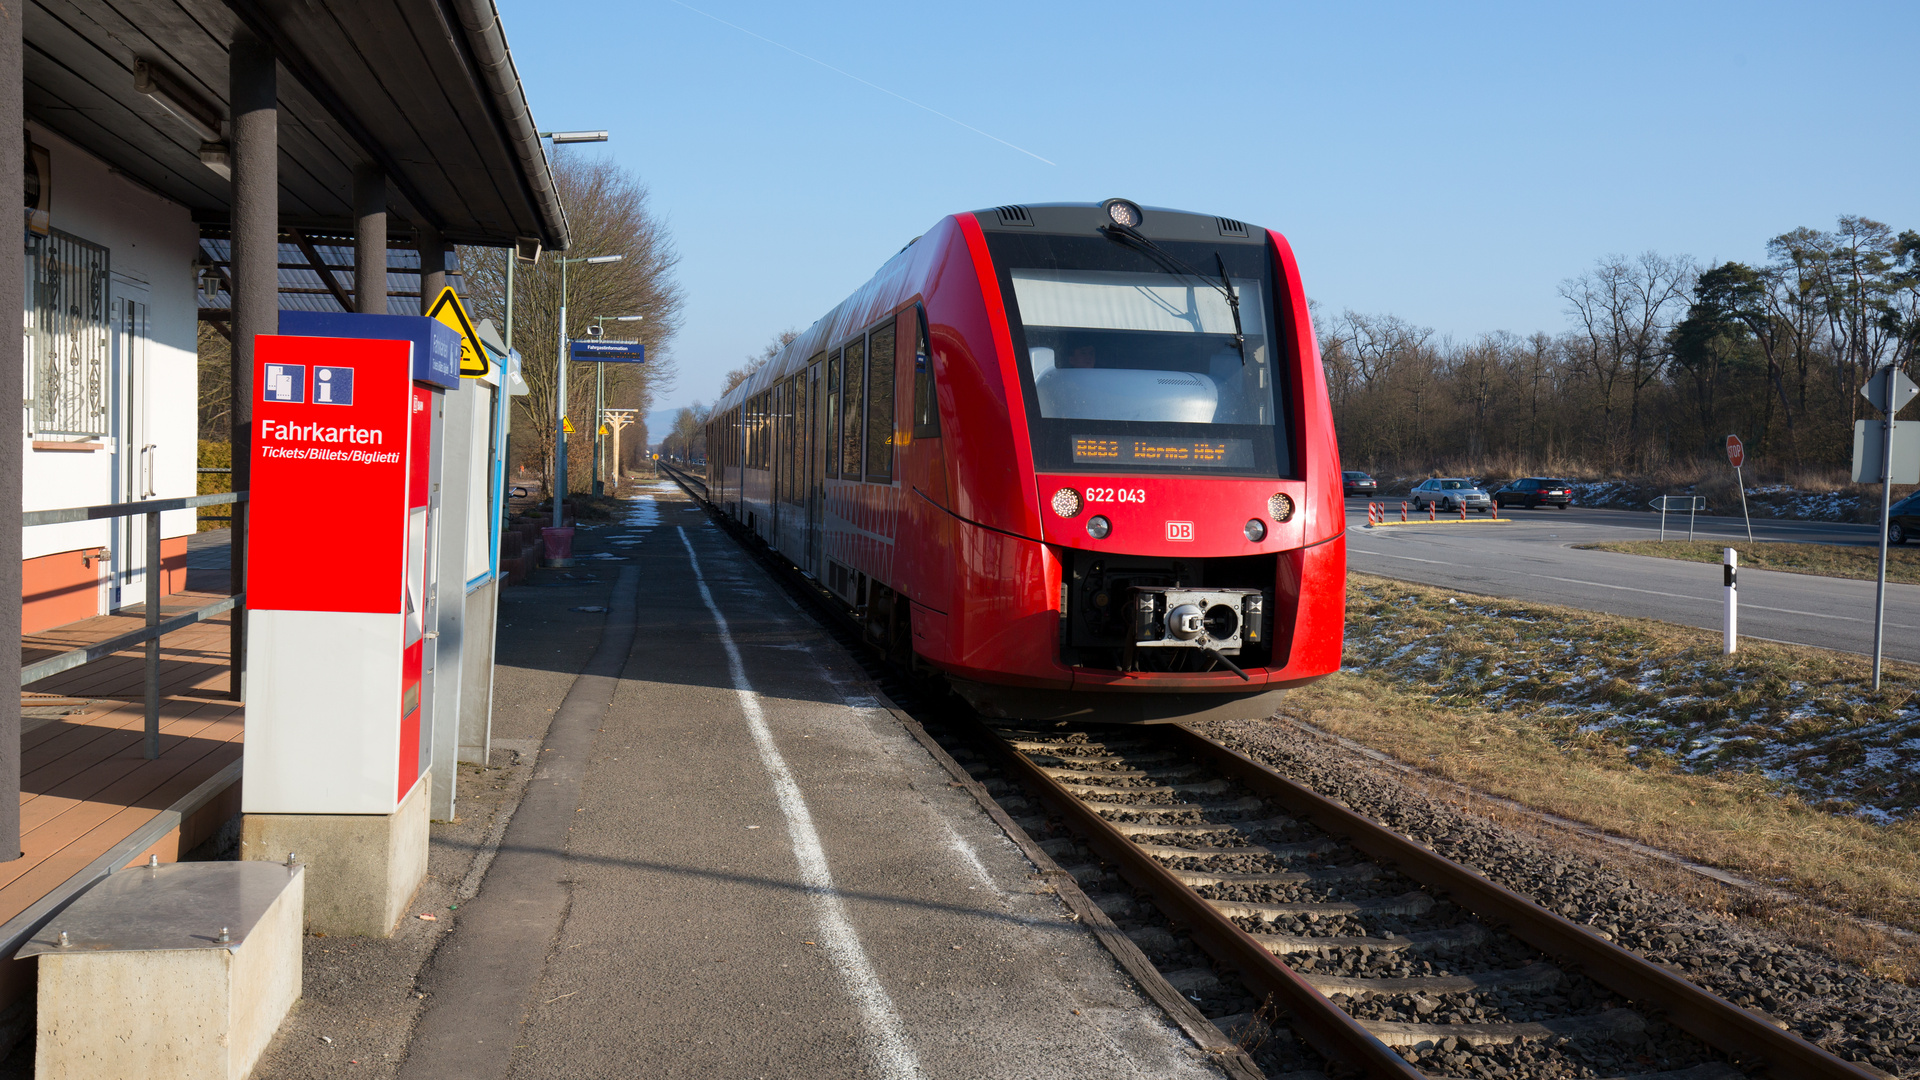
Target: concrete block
column 143, row 986
column 362, row 868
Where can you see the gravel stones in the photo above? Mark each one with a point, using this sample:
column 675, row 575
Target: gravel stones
column 1841, row 1009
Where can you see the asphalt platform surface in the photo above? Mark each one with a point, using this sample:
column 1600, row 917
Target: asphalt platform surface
column 729, row 862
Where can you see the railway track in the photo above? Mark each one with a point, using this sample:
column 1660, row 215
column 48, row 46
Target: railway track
column 1384, row 957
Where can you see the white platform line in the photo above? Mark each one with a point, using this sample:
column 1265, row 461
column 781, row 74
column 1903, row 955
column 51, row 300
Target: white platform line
column 891, row 1050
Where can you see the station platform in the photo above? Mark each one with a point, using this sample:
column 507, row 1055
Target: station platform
column 90, row 801
column 732, row 862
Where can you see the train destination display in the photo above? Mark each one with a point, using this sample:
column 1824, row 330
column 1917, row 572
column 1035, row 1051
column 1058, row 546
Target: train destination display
column 1129, row 450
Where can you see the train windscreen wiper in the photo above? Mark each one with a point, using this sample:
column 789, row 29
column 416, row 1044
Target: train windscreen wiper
column 1173, row 264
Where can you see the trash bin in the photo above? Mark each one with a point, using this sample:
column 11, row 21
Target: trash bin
column 559, row 545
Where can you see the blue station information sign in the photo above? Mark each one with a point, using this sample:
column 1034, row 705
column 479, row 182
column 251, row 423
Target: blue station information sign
column 600, row 350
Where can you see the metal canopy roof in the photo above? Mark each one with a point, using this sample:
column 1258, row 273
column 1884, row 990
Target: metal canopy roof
column 423, row 88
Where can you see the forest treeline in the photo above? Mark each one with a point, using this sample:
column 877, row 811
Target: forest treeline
column 1660, row 361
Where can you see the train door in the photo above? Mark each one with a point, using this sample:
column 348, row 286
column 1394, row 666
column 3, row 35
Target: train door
column 774, row 398
column 815, row 462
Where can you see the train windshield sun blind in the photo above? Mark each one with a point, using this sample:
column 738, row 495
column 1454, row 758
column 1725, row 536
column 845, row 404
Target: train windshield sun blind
column 1130, row 367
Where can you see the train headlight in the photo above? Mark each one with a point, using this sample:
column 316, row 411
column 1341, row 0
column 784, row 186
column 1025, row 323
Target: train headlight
column 1256, row 530
column 1123, row 213
column 1066, row 502
column 1098, row 527
column 1280, row 507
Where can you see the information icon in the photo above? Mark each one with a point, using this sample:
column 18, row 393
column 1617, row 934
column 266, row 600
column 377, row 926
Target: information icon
column 332, row 385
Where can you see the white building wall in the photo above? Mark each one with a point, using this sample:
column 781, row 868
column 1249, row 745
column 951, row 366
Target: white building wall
column 153, row 243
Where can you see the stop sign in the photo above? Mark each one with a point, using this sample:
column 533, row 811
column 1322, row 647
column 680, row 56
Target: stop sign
column 1736, row 453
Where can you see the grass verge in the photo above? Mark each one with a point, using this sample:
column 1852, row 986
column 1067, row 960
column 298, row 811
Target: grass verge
column 1775, row 763
column 1826, row 560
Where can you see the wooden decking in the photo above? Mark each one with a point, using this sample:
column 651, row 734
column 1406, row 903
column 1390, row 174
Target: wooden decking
column 90, row 801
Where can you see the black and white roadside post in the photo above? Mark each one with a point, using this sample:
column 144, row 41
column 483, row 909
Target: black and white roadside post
column 1730, row 570
column 1887, row 451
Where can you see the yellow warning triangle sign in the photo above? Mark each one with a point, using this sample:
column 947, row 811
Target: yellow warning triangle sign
column 448, row 309
column 566, row 425
column 603, row 429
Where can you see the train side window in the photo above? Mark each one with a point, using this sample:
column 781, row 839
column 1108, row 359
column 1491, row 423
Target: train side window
column 852, row 408
column 816, row 420
column 833, row 414
column 926, row 405
column 880, row 390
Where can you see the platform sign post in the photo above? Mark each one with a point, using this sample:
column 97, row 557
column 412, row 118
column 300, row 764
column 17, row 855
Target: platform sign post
column 1889, row 390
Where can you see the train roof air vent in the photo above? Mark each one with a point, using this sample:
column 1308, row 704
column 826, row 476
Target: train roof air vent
column 1230, row 227
column 1014, row 215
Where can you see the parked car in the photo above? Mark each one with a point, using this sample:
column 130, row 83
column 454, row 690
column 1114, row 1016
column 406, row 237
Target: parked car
column 1532, row 491
column 1358, row 483
column 1903, row 520
column 1451, row 493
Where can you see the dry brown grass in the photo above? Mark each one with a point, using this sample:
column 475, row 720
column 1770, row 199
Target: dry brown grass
column 1723, row 815
column 1826, row 560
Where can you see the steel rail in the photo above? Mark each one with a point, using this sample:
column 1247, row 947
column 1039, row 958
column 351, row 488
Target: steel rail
column 1750, row 1038
column 1325, row 1026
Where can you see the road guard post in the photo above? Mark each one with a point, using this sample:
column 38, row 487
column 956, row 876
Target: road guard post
column 342, row 590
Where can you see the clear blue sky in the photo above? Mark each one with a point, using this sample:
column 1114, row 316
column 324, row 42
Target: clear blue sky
column 1450, row 164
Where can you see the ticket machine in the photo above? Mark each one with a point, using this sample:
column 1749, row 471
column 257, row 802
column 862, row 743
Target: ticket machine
column 337, row 576
column 340, row 594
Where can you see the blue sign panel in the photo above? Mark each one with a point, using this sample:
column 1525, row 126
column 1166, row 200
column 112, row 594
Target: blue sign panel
column 436, row 346
column 609, row 352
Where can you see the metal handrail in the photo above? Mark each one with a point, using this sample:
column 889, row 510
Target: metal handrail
column 114, row 510
column 150, row 635
column 73, row 658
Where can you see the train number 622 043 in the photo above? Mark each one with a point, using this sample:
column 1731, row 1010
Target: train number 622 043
column 1125, row 495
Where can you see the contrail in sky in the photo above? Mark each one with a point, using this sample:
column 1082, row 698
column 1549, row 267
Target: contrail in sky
column 858, row 79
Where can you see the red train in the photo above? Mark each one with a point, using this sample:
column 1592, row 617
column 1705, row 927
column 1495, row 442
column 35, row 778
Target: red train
column 1078, row 458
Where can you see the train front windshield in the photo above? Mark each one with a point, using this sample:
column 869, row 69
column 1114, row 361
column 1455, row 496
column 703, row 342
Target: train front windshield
column 1130, row 365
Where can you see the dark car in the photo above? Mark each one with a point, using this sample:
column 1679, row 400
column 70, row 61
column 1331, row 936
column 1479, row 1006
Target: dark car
column 1903, row 520
column 1451, row 493
column 1532, row 491
column 1358, row 483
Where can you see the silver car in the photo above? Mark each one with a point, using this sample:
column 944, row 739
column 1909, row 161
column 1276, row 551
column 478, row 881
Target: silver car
column 1451, row 493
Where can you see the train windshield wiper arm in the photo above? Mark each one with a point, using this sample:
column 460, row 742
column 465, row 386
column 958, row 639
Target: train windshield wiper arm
column 1172, row 264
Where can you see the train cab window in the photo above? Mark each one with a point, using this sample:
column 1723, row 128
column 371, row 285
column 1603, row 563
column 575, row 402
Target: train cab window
column 1137, row 361
column 832, row 439
column 926, row 406
column 880, row 390
column 852, row 415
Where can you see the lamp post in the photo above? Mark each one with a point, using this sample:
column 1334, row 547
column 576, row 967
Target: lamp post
column 560, row 397
column 600, row 394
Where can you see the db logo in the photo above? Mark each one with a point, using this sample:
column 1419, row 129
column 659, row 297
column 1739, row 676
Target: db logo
column 1179, row 530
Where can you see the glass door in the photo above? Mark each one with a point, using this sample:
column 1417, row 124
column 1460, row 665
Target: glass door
column 132, row 444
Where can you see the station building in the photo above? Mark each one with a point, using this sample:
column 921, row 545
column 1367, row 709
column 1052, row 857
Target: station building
column 190, row 164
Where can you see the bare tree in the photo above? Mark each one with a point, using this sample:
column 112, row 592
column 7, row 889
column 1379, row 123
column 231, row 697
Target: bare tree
column 608, row 214
column 1624, row 310
column 759, row 360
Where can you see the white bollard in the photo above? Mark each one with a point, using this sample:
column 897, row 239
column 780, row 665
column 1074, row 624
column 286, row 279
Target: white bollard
column 1730, row 568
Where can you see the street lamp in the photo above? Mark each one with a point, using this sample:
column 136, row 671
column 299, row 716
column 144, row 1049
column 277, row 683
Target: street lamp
column 600, row 394
column 574, row 136
column 560, row 398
